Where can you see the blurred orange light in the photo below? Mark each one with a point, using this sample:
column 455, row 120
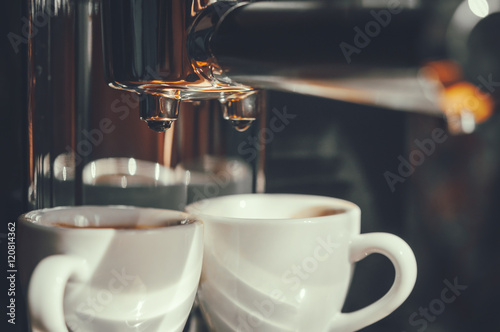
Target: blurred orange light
column 464, row 96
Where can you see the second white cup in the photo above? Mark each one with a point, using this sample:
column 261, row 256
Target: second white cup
column 279, row 262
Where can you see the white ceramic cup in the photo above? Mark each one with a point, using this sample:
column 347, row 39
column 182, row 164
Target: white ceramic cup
column 269, row 266
column 111, row 278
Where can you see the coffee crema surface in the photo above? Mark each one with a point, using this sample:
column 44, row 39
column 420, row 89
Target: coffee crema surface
column 167, row 223
column 317, row 211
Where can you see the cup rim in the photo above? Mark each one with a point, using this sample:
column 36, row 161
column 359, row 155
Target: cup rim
column 28, row 219
column 351, row 209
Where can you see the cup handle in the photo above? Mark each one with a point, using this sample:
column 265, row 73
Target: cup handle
column 405, row 266
column 46, row 290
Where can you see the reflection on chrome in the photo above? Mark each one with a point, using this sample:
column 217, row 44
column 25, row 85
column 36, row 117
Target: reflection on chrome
column 130, row 172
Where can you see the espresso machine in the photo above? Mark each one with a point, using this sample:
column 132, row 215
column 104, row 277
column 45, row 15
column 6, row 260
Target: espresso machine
column 160, row 103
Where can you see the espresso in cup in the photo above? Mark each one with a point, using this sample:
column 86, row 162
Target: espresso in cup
column 317, row 211
column 167, row 223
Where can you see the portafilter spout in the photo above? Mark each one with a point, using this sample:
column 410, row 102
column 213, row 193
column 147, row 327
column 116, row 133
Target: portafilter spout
column 150, row 48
